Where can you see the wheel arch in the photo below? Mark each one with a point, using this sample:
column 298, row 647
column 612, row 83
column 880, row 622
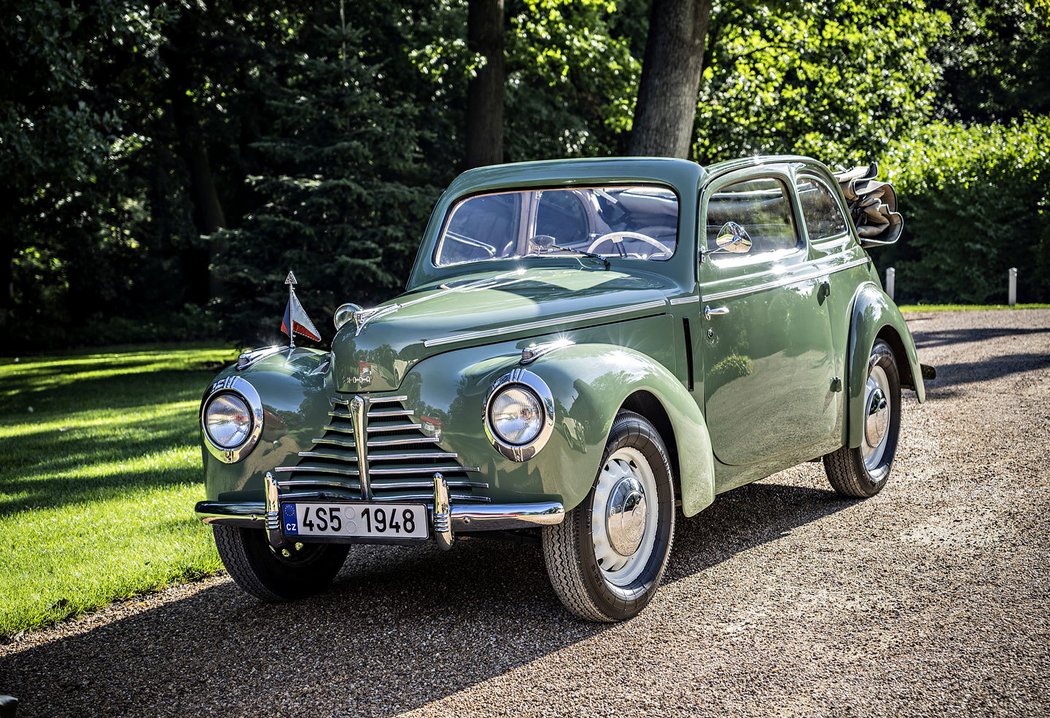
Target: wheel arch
column 648, row 388
column 874, row 317
column 645, row 404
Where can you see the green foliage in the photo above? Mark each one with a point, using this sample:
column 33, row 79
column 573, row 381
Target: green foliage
column 976, row 202
column 830, row 79
column 316, row 135
column 996, row 60
column 99, row 472
column 343, row 191
column 571, row 80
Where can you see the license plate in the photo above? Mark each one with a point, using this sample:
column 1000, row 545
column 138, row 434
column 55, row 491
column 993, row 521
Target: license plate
column 390, row 521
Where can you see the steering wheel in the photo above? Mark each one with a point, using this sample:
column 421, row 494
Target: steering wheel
column 618, row 237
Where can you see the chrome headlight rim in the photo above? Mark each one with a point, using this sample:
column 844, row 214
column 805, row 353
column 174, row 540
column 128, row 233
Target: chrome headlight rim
column 243, row 390
column 535, row 385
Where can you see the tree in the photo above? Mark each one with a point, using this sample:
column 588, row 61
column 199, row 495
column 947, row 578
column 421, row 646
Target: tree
column 338, row 175
column 836, row 80
column 485, row 89
column 674, row 59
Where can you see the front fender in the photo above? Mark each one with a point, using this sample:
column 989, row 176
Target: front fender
column 590, row 382
column 875, row 315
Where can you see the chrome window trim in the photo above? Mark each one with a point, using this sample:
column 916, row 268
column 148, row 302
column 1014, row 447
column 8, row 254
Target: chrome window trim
column 527, row 213
column 812, row 273
column 544, row 323
column 691, row 299
column 524, row 377
column 807, row 173
column 243, row 389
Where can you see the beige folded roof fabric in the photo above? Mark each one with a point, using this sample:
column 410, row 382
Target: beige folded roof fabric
column 872, row 204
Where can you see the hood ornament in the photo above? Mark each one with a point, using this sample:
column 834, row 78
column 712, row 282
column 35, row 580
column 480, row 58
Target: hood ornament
column 295, row 320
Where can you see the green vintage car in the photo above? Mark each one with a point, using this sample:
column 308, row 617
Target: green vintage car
column 584, row 348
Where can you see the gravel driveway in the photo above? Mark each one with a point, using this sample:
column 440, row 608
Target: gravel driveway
column 780, row 600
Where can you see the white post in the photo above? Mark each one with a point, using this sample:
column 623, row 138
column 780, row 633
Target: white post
column 891, row 276
column 1012, row 292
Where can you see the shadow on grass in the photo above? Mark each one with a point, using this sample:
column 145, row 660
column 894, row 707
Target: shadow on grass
column 400, row 628
column 106, row 392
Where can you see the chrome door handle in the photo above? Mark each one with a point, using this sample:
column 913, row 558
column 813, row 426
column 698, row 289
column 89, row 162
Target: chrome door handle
column 710, row 311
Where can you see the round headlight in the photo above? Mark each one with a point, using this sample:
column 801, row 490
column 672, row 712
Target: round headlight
column 228, row 420
column 516, row 415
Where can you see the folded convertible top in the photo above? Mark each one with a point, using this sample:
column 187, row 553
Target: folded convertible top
column 872, row 204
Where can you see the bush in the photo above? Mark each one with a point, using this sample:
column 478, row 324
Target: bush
column 976, row 201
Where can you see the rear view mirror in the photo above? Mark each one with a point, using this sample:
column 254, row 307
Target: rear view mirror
column 732, row 238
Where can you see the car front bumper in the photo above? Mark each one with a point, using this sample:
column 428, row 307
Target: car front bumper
column 446, row 519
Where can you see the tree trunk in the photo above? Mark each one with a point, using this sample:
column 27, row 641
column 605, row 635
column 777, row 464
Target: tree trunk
column 201, row 283
column 674, row 59
column 485, row 91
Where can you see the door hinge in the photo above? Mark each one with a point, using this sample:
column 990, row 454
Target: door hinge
column 836, row 384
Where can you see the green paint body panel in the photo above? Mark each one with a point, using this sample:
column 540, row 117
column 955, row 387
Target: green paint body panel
column 745, row 394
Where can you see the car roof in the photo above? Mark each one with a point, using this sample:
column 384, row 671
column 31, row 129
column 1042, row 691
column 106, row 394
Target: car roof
column 589, row 170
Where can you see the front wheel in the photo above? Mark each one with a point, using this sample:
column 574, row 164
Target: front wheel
column 863, row 471
column 270, row 575
column 606, row 559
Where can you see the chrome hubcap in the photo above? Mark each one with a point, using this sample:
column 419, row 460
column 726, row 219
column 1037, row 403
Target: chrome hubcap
column 877, row 419
column 623, row 528
column 625, row 519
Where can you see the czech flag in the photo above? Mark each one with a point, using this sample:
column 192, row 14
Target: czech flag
column 295, row 320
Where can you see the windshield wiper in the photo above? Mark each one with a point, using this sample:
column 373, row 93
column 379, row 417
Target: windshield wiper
column 552, row 247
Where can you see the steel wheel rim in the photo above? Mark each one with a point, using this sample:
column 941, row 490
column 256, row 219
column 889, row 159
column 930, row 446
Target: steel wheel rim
column 624, row 516
column 878, row 413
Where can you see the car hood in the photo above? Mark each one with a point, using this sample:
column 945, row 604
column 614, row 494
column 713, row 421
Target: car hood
column 484, row 308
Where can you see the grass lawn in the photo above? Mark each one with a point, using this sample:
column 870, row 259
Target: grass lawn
column 966, row 307
column 99, row 471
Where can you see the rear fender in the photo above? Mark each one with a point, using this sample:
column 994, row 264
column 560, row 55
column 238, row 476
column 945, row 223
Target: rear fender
column 875, row 316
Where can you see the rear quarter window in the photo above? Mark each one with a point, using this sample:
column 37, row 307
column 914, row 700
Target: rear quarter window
column 820, row 210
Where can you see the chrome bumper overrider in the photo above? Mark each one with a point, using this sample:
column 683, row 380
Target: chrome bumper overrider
column 446, row 519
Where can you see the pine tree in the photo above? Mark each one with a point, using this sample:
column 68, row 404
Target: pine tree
column 339, row 179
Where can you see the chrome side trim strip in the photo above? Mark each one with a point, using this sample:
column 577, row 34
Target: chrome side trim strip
column 543, row 323
column 812, row 273
column 692, row 299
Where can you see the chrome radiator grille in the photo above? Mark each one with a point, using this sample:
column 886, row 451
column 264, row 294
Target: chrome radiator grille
column 376, row 450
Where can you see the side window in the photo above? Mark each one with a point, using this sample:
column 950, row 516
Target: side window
column 761, row 207
column 820, row 210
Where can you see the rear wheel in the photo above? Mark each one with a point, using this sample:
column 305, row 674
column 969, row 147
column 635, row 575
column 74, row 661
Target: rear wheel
column 271, row 575
column 606, row 559
column 863, row 471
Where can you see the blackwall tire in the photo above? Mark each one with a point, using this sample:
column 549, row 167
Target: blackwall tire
column 257, row 569
column 589, row 555
column 863, row 471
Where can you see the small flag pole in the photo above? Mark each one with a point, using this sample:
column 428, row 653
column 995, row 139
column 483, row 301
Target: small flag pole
column 290, row 281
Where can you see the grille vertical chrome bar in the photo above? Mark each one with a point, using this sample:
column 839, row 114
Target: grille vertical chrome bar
column 359, row 414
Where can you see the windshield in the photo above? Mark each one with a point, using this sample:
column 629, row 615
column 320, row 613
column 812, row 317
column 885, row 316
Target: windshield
column 638, row 222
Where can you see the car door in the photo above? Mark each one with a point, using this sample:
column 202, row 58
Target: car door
column 769, row 370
